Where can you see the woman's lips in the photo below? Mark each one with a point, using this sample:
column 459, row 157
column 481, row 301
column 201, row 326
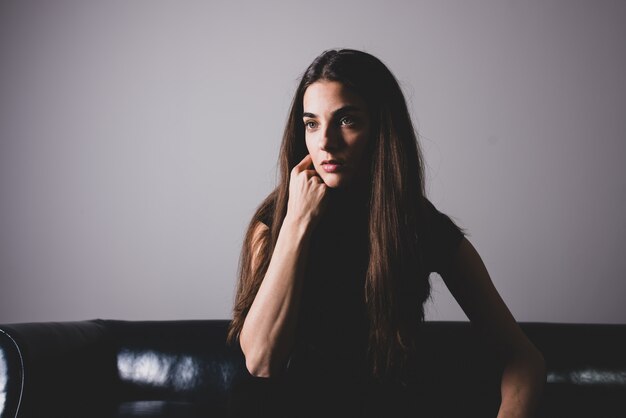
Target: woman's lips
column 332, row 166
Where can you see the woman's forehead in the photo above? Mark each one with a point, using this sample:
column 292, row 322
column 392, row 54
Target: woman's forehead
column 323, row 97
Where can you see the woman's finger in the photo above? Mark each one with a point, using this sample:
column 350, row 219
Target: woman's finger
column 306, row 162
column 310, row 173
column 317, row 179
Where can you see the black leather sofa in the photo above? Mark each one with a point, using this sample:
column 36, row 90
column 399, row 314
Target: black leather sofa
column 106, row 368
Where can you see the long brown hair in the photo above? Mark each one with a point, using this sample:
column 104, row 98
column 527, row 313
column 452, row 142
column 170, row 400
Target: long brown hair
column 396, row 284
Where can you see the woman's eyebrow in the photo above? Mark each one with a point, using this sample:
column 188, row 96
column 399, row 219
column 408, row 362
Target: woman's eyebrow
column 343, row 109
column 346, row 109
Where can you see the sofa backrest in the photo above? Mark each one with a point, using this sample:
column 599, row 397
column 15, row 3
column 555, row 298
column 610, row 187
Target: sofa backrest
column 586, row 368
column 189, row 361
column 176, row 360
column 47, row 367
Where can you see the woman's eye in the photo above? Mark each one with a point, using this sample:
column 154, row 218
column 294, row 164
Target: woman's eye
column 346, row 121
column 310, row 124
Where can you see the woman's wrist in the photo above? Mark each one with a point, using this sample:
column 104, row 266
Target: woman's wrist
column 298, row 228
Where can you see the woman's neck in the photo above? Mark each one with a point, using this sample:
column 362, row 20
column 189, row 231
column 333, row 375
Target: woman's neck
column 353, row 199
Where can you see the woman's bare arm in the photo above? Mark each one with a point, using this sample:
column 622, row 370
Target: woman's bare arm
column 524, row 373
column 268, row 331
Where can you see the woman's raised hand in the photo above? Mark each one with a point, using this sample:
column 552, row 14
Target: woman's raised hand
column 307, row 193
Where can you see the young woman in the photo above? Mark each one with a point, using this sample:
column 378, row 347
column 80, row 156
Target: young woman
column 335, row 264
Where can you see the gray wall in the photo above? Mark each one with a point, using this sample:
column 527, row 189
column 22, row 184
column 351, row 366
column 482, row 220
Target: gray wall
column 136, row 139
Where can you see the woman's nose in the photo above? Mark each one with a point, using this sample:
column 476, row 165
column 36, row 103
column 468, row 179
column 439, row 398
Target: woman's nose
column 330, row 139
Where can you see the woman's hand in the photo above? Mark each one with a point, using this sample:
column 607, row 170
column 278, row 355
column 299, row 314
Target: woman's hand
column 307, row 193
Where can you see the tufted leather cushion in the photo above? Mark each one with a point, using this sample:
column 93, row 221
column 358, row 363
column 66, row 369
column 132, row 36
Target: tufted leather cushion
column 184, row 369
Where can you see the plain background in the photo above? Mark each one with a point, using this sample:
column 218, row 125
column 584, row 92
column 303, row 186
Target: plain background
column 136, row 139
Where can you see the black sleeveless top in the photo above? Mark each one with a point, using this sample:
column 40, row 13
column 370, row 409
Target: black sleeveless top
column 332, row 332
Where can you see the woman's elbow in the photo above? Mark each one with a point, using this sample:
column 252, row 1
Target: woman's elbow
column 535, row 357
column 540, row 364
column 258, row 368
column 534, row 361
column 258, row 361
column 263, row 365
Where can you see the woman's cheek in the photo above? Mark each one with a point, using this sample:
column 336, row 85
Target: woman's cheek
column 318, row 170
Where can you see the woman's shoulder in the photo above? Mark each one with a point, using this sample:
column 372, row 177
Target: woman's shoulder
column 431, row 217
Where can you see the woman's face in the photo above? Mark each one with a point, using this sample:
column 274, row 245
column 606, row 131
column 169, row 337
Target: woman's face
column 337, row 130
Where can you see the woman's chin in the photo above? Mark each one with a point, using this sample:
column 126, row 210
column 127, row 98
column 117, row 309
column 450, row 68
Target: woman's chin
column 335, row 181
